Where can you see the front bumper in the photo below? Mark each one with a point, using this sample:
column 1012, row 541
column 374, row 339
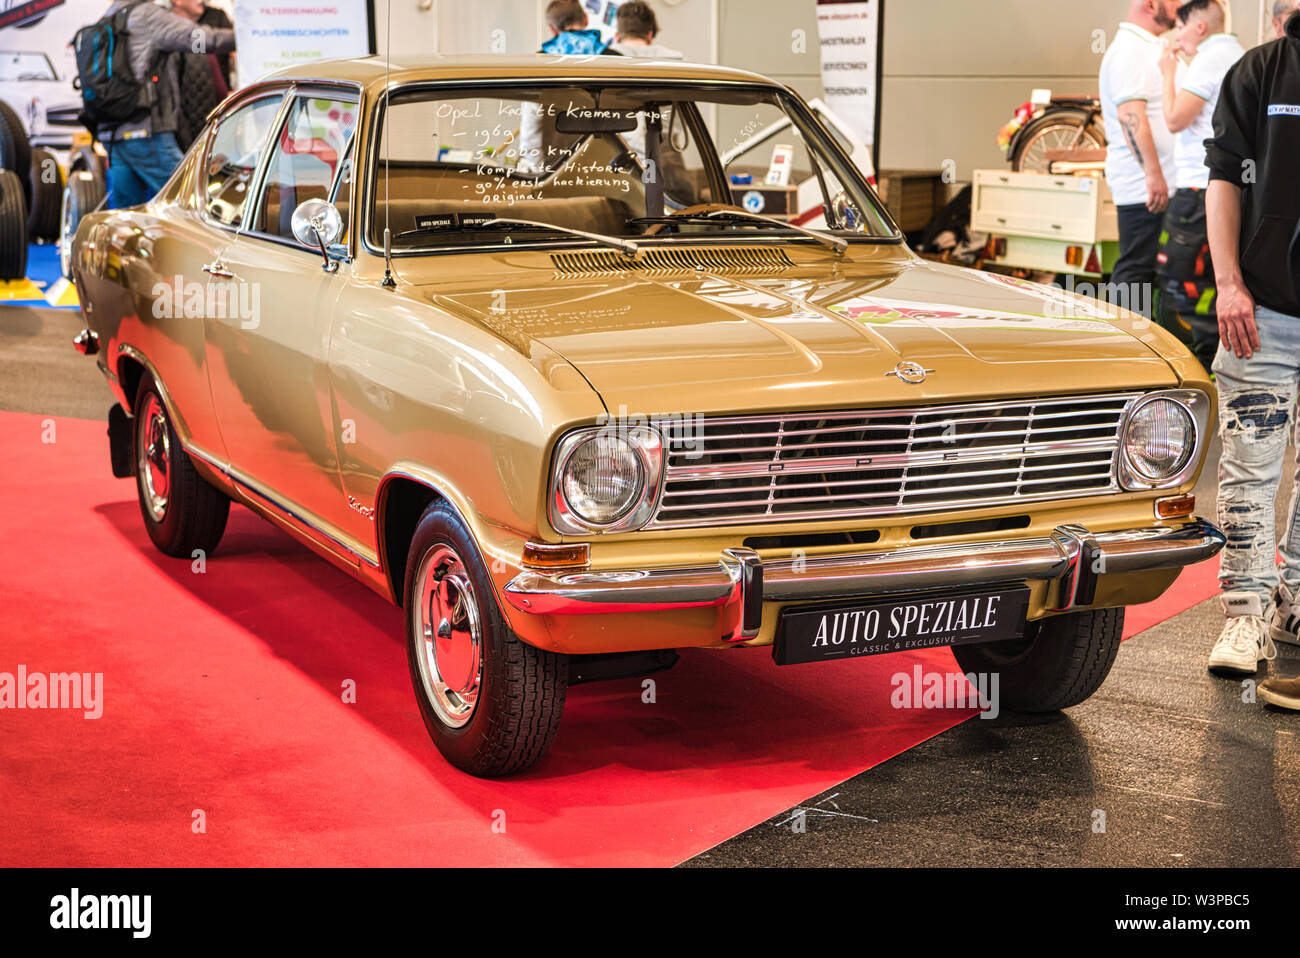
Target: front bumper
column 1071, row 557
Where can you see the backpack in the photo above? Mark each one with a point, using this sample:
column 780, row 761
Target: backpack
column 110, row 93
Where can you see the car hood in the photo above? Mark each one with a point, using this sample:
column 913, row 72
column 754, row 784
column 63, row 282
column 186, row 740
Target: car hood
column 834, row 337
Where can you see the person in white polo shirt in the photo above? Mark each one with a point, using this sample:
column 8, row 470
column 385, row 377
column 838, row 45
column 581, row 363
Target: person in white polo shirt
column 1185, row 269
column 1140, row 148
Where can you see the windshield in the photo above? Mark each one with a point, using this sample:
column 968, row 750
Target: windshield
column 25, row 66
column 633, row 161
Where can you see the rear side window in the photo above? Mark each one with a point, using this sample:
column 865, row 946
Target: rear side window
column 233, row 156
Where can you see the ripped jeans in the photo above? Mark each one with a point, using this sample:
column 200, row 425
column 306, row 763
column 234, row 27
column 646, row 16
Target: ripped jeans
column 1257, row 399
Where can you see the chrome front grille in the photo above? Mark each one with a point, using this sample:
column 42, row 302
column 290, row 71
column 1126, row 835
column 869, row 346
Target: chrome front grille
column 752, row 469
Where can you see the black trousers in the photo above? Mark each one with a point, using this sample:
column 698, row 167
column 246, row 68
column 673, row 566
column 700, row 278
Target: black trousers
column 1186, row 276
column 1139, row 242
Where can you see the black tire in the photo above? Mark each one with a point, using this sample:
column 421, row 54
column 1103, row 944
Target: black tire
column 1060, row 663
column 15, row 148
column 46, row 196
column 13, row 227
column 1067, row 123
column 521, row 689
column 194, row 512
column 82, row 195
column 85, row 159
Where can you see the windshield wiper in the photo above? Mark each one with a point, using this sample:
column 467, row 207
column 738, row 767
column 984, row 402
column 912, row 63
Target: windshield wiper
column 628, row 247
column 826, row 239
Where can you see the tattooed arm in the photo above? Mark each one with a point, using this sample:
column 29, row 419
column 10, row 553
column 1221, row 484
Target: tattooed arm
column 1137, row 133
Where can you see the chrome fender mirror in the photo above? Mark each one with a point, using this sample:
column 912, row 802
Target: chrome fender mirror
column 318, row 224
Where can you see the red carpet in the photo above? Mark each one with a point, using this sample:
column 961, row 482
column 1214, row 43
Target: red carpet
column 1195, row 584
column 223, row 696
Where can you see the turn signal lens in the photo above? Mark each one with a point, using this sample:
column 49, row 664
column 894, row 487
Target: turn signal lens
column 1175, row 507
column 1074, row 255
column 540, row 556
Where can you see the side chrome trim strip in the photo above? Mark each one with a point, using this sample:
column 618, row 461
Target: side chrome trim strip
column 306, row 527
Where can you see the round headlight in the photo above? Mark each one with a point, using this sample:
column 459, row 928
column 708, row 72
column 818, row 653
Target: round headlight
column 1160, row 439
column 602, row 479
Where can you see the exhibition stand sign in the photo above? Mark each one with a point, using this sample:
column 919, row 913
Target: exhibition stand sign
column 850, row 33
column 270, row 36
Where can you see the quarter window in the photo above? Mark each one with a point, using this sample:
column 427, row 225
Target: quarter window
column 233, row 156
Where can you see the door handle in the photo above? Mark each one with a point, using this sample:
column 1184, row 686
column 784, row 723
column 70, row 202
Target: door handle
column 218, row 269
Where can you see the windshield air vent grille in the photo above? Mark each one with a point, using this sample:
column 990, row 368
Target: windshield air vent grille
column 730, row 260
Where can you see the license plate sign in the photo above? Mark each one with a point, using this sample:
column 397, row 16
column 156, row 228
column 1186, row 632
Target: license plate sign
column 899, row 624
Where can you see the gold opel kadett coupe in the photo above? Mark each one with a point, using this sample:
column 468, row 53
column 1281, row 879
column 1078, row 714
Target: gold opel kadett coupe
column 544, row 351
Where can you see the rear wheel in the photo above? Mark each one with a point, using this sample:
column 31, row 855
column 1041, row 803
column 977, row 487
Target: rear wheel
column 182, row 511
column 1061, row 661
column 13, row 227
column 1058, row 130
column 490, row 702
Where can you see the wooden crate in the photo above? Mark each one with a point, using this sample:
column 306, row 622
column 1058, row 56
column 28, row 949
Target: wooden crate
column 912, row 196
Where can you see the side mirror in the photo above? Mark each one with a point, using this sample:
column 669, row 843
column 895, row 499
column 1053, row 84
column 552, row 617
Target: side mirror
column 318, row 224
column 847, row 213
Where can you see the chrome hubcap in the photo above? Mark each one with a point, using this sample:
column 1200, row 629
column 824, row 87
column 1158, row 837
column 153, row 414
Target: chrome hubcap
column 154, row 459
column 450, row 636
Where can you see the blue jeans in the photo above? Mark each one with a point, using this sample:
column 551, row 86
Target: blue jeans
column 1257, row 397
column 139, row 168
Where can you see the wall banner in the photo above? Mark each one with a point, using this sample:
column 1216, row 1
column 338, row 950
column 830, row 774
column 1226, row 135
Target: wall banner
column 850, row 48
column 271, row 34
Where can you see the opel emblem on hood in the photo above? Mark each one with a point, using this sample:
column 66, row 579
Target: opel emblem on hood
column 910, row 372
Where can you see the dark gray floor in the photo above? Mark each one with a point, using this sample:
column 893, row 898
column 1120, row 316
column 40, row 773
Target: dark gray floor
column 1185, row 772
column 40, row 372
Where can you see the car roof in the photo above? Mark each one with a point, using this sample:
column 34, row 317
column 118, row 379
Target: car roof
column 371, row 71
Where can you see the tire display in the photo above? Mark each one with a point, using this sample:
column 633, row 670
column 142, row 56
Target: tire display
column 82, row 194
column 46, row 192
column 15, row 149
column 13, row 227
column 85, row 159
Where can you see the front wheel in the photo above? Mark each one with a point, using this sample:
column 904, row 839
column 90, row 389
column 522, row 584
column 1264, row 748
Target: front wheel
column 1061, row 661
column 490, row 702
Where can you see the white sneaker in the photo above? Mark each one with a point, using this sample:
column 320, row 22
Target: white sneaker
column 1245, row 639
column 1284, row 621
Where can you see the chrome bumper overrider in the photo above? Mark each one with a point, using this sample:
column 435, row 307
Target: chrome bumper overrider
column 741, row 581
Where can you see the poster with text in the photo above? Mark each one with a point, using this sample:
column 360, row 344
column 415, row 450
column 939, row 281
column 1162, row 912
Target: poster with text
column 850, row 35
column 270, row 35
